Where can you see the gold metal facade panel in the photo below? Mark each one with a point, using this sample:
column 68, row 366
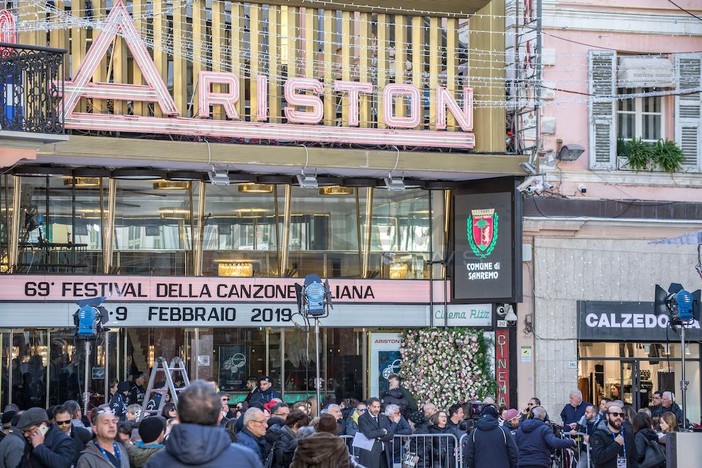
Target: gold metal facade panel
column 283, row 40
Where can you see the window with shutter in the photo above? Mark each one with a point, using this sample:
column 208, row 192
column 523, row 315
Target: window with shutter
column 602, row 110
column 688, row 108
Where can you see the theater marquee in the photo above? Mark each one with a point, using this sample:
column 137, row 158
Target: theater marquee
column 221, row 90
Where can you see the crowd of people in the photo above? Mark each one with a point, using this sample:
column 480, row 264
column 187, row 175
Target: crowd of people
column 203, row 429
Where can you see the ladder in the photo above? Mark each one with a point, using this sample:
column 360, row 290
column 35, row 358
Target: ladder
column 168, row 371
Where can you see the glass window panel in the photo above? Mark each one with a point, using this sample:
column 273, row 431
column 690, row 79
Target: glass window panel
column 651, row 127
column 6, row 200
column 30, row 355
column 627, row 125
column 325, row 222
column 240, row 237
column 400, row 231
column 5, row 388
column 65, row 379
column 152, row 230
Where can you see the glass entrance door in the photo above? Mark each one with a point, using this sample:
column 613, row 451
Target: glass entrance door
column 630, row 383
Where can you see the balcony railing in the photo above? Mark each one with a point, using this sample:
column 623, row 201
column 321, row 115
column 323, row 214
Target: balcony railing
column 32, row 89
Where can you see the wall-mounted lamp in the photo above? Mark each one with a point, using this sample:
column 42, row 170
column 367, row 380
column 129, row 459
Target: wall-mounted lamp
column 395, row 184
column 171, row 185
column 569, row 152
column 218, row 176
column 174, row 213
column 255, row 188
column 307, row 181
column 336, row 190
column 82, row 182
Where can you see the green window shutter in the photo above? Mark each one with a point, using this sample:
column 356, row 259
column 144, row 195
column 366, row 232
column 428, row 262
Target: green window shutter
column 602, row 110
column 688, row 108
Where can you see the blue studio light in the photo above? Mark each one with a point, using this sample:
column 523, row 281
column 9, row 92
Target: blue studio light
column 86, row 321
column 315, row 293
column 684, row 300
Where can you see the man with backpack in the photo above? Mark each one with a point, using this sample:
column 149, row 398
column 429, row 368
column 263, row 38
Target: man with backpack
column 490, row 445
column 536, row 439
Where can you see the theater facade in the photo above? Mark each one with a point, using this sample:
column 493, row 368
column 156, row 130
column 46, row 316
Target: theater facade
column 216, row 153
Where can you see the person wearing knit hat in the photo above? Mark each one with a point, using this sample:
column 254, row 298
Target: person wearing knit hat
column 324, row 449
column 152, row 430
column 49, row 446
column 490, row 444
column 6, row 419
column 118, row 403
column 511, row 419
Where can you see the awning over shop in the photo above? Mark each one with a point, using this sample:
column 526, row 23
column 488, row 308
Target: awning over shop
column 645, row 72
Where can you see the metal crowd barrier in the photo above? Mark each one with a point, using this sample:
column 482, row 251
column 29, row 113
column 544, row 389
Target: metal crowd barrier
column 421, row 450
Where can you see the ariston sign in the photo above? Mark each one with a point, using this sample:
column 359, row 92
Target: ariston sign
column 304, row 110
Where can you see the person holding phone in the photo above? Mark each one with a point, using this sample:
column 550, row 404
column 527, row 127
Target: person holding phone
column 50, row 447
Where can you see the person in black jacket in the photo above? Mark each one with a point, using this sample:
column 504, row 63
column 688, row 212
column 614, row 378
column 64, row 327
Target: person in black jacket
column 535, row 440
column 50, row 447
column 644, row 435
column 489, row 445
column 284, row 447
column 611, row 441
column 378, row 428
column 79, row 435
column 118, row 403
column 397, row 395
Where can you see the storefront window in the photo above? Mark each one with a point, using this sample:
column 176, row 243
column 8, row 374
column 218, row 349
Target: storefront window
column 631, row 372
column 30, row 355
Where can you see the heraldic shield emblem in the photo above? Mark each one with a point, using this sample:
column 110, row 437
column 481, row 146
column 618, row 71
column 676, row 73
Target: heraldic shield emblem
column 482, row 231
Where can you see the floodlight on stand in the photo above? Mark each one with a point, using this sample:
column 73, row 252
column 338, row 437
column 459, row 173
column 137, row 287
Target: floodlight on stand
column 218, row 177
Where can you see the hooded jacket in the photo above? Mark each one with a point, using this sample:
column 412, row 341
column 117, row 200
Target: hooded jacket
column 203, row 446
column 490, row 446
column 535, row 440
column 321, row 450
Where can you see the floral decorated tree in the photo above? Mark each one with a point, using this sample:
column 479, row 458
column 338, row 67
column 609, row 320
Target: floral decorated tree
column 446, row 365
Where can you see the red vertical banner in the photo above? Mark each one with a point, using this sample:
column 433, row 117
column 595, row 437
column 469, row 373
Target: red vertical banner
column 502, row 367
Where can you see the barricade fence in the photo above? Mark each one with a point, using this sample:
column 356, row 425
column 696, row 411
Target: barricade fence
column 420, row 450
column 446, row 451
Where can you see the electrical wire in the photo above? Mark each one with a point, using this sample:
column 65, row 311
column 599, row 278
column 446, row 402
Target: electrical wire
column 683, row 9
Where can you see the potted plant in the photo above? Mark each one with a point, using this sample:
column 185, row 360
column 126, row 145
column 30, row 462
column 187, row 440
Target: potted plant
column 668, row 156
column 638, row 153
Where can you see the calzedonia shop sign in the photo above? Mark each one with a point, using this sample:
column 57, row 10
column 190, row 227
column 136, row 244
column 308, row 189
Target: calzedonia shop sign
column 627, row 321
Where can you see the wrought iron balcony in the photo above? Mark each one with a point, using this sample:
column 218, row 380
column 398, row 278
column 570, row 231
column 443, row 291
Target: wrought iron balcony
column 32, row 89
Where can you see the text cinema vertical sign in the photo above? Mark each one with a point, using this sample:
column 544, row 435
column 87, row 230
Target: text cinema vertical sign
column 502, row 367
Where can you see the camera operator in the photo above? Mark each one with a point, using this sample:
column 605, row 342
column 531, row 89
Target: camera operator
column 536, row 439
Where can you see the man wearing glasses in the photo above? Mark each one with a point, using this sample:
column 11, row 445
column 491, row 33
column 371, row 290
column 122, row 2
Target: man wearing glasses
column 610, row 445
column 79, row 435
column 254, row 432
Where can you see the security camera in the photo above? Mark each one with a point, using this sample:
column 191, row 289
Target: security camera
column 500, row 310
column 547, row 186
column 524, row 186
column 582, row 188
column 536, row 188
